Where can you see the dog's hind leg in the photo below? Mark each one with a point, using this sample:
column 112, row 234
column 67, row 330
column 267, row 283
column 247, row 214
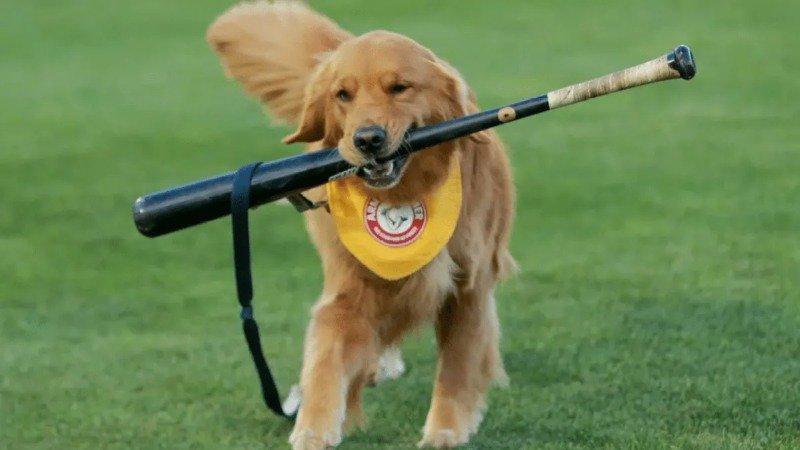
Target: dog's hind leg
column 390, row 365
column 339, row 346
column 467, row 331
column 354, row 415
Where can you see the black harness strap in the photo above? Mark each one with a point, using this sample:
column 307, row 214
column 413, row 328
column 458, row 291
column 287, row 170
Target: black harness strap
column 240, row 203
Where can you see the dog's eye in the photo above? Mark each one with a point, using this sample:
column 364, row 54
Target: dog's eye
column 343, row 95
column 398, row 88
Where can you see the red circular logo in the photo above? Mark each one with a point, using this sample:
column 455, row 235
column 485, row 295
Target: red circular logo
column 394, row 225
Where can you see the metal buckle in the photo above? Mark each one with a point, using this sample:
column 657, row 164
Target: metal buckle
column 302, row 204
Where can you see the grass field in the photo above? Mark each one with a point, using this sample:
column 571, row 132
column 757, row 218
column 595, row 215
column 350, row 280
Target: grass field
column 658, row 230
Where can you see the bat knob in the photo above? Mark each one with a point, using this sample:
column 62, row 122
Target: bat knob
column 681, row 60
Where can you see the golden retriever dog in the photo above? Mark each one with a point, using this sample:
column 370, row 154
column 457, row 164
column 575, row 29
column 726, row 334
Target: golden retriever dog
column 362, row 94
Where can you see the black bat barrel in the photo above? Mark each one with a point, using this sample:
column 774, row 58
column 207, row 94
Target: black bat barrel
column 195, row 203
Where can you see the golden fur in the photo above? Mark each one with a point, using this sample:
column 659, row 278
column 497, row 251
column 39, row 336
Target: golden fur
column 296, row 61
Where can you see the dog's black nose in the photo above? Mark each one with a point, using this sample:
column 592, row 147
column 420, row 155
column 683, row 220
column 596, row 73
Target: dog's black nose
column 370, row 140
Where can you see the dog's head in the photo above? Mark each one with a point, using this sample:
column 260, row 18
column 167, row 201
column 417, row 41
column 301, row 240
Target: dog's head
column 369, row 92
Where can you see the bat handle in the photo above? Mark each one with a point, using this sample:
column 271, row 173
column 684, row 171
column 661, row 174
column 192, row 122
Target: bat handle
column 678, row 63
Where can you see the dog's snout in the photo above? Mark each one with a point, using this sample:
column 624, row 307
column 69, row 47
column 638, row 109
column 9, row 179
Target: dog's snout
column 370, row 140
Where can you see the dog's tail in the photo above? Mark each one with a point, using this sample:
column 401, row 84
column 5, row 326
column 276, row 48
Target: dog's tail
column 271, row 48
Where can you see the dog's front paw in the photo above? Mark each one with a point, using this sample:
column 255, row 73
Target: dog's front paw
column 307, row 439
column 443, row 438
column 450, row 423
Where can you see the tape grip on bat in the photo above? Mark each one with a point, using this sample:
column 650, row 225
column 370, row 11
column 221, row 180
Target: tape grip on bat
column 682, row 60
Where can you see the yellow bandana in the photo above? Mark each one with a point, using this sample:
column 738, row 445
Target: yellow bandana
column 395, row 241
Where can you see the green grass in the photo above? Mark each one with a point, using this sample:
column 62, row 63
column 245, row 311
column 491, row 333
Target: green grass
column 658, row 230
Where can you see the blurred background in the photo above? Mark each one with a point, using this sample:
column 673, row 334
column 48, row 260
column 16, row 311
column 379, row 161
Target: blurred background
column 658, row 303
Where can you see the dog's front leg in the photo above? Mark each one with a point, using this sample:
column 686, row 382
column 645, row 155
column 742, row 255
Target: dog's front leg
column 467, row 332
column 339, row 345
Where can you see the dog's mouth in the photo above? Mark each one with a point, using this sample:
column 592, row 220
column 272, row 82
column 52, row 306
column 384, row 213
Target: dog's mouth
column 385, row 174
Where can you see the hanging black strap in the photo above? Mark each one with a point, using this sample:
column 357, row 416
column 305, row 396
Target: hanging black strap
column 240, row 203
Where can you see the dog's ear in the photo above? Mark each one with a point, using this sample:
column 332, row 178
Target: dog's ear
column 461, row 98
column 312, row 118
column 272, row 48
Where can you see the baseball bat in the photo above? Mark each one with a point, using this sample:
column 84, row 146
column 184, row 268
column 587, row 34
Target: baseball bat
column 181, row 207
